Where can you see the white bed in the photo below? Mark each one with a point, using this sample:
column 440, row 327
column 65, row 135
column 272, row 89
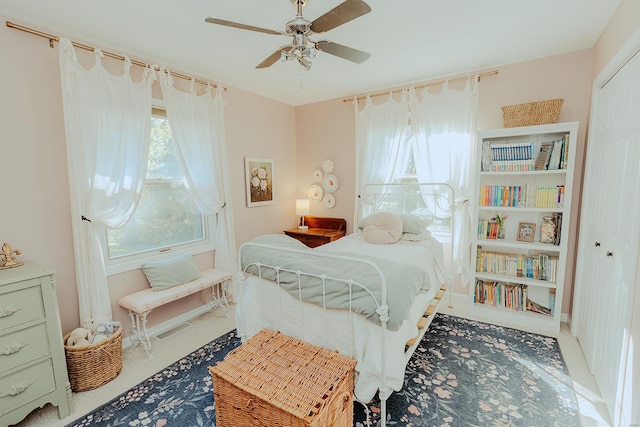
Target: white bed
column 380, row 349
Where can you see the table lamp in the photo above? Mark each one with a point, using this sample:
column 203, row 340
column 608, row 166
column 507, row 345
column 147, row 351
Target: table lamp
column 303, row 207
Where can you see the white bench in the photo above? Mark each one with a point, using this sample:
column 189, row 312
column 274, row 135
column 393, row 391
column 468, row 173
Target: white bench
column 142, row 302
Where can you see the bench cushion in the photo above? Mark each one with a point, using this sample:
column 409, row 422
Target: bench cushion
column 148, row 299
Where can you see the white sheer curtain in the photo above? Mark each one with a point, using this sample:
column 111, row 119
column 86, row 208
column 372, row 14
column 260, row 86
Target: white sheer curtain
column 197, row 125
column 379, row 132
column 443, row 127
column 107, row 119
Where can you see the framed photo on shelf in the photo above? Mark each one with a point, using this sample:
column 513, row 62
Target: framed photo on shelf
column 259, row 180
column 526, row 230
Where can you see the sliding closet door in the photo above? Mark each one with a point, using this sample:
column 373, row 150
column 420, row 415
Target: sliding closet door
column 610, row 237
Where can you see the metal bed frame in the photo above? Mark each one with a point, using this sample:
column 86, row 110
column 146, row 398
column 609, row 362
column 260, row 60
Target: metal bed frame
column 435, row 200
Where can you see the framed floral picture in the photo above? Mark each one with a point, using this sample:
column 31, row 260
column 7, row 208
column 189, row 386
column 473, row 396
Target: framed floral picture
column 259, row 178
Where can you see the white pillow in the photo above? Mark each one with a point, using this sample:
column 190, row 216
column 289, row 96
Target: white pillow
column 382, row 228
column 411, row 223
column 411, row 237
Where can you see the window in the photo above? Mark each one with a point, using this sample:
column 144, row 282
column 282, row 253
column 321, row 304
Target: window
column 166, row 217
column 405, row 173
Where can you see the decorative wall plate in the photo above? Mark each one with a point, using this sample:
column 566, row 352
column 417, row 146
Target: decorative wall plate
column 327, row 166
column 317, row 175
column 329, row 201
column 315, row 192
column 330, row 183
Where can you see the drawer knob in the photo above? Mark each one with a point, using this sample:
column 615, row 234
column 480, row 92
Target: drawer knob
column 8, row 310
column 15, row 389
column 14, row 347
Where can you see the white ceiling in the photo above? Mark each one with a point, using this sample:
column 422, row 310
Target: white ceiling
column 409, row 40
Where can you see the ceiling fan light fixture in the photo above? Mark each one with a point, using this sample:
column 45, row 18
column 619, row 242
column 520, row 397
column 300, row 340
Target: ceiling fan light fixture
column 302, row 49
column 306, row 64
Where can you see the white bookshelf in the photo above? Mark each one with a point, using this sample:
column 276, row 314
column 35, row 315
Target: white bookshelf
column 526, row 190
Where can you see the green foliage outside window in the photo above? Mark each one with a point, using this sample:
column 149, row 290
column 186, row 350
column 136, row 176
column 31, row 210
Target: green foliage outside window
column 166, row 215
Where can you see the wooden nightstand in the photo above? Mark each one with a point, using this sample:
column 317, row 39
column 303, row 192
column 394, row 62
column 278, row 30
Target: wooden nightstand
column 320, row 231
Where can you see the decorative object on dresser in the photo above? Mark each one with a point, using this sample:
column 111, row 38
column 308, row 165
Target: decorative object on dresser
column 519, row 280
column 33, row 371
column 9, row 255
column 303, row 207
column 259, row 181
column 320, row 230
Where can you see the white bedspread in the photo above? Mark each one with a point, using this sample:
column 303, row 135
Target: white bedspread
column 261, row 304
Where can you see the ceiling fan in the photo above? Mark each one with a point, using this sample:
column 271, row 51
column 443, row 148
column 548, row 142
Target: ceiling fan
column 300, row 29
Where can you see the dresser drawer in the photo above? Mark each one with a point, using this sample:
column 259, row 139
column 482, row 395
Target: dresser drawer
column 25, row 386
column 22, row 347
column 21, row 304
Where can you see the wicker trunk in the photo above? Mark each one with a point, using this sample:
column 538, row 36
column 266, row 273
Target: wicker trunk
column 276, row 380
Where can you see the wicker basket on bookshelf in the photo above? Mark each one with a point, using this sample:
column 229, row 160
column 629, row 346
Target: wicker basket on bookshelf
column 277, row 380
column 94, row 365
column 532, row 113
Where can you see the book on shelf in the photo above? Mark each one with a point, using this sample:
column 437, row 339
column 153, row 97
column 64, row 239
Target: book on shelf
column 565, row 152
column 528, row 195
column 542, row 160
column 487, row 229
column 558, row 222
column 541, row 266
column 538, row 308
column 501, row 294
column 507, row 157
column 556, row 155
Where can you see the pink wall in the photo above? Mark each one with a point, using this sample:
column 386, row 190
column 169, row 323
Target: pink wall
column 327, row 129
column 623, row 24
column 34, row 207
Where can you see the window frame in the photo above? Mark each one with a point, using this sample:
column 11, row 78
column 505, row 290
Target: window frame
column 134, row 261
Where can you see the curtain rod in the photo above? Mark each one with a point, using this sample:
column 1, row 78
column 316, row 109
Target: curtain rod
column 361, row 97
column 53, row 38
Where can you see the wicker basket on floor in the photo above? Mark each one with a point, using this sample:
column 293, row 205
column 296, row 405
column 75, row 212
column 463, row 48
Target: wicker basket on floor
column 276, row 380
column 94, row 365
column 532, row 113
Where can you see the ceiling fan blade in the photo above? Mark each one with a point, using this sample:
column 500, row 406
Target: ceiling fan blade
column 341, row 14
column 273, row 58
column 348, row 53
column 241, row 26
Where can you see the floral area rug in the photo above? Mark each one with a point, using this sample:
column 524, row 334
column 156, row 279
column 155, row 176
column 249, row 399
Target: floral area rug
column 464, row 373
column 468, row 373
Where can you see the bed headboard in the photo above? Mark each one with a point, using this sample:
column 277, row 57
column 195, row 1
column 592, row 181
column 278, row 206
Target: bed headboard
column 435, row 201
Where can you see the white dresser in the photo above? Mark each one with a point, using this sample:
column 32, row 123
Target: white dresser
column 33, row 369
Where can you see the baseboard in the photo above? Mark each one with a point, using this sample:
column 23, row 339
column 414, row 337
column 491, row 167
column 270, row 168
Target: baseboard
column 565, row 318
column 169, row 324
column 455, row 300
